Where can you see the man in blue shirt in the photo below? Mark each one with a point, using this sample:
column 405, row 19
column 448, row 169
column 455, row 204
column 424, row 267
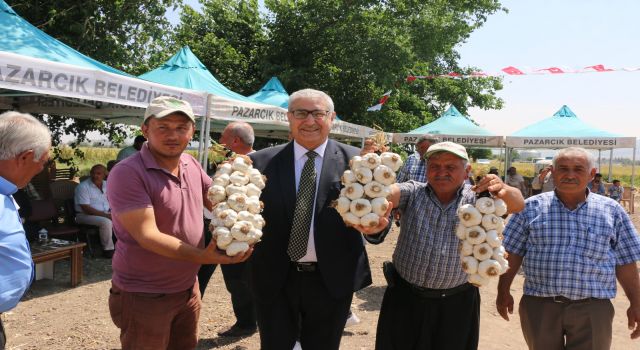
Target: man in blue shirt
column 24, row 150
column 574, row 244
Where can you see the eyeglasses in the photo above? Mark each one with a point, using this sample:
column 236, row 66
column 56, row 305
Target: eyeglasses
column 303, row 113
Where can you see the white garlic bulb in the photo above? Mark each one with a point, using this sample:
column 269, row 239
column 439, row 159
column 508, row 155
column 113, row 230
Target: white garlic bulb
column 231, row 189
column 501, row 207
column 227, row 217
column 254, row 236
column 489, row 268
column 490, row 221
column 254, row 205
column 236, row 248
column 257, row 221
column 363, row 174
column 482, row 251
column 221, row 180
column 469, row 215
column 360, row 207
column 244, row 216
column 342, row 205
column 348, row 177
column 498, row 252
column 238, row 178
column 469, row 264
column 355, row 162
column 461, row 232
column 354, row 191
column 224, row 168
column 379, row 206
column 485, row 205
column 216, row 194
column 374, row 189
column 384, row 175
column 237, row 201
column 504, row 263
column 370, row 160
column 252, row 190
column 351, row 219
column 493, row 239
column 466, row 248
column 222, row 236
column 240, row 229
column 241, row 164
column 478, row 280
column 476, row 235
column 370, row 220
column 391, row 160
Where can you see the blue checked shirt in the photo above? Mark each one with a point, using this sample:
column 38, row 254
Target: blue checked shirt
column 426, row 254
column 413, row 169
column 573, row 253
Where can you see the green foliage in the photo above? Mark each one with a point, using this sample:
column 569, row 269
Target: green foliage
column 479, row 153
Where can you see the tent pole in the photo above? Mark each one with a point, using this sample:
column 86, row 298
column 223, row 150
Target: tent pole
column 507, row 155
column 633, row 167
column 610, row 160
column 207, row 137
column 201, row 138
column 599, row 159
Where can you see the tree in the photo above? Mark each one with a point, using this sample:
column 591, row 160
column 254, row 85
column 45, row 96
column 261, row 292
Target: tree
column 229, row 38
column 355, row 50
column 479, row 153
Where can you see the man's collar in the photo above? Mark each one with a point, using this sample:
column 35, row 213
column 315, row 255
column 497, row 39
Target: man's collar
column 299, row 151
column 6, row 187
column 557, row 200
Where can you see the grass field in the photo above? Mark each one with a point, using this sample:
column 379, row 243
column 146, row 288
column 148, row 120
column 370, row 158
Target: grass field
column 94, row 155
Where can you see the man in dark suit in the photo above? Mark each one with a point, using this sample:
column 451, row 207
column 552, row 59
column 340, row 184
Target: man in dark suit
column 304, row 270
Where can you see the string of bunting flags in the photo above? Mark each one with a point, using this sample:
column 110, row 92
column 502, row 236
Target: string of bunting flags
column 511, row 71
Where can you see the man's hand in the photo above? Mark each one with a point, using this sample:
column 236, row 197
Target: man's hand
column 382, row 224
column 504, row 304
column 213, row 255
column 491, row 183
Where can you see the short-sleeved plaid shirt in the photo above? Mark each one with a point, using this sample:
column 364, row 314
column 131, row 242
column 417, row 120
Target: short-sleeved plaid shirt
column 427, row 254
column 573, row 253
column 413, row 169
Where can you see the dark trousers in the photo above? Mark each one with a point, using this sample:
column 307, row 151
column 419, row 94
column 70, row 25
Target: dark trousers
column 236, row 280
column 303, row 309
column 554, row 325
column 412, row 321
column 3, row 336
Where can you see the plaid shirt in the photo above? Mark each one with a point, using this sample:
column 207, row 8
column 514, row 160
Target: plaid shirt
column 573, row 253
column 413, row 169
column 427, row 254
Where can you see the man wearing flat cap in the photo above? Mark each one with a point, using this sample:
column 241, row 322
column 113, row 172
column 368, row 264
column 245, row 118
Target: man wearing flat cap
column 428, row 303
column 157, row 197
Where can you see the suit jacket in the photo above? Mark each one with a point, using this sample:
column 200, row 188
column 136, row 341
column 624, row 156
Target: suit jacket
column 342, row 259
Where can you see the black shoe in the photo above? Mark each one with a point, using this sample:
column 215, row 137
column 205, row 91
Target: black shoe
column 108, row 254
column 237, row 331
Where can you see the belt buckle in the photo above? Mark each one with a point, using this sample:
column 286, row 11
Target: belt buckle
column 304, row 267
column 559, row 299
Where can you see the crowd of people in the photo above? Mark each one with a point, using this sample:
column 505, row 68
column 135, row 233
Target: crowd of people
column 295, row 287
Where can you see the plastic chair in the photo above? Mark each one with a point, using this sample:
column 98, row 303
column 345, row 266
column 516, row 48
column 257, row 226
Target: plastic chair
column 86, row 230
column 628, row 199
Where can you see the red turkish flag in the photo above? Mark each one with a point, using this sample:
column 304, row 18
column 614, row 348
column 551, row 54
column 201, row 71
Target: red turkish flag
column 552, row 70
column 512, row 71
column 599, row 68
column 411, row 78
column 454, row 74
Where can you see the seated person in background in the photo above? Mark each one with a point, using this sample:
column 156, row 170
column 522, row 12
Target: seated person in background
column 616, row 191
column 596, row 185
column 543, row 182
column 92, row 207
column 493, row 170
column 516, row 180
column 110, row 165
column 128, row 151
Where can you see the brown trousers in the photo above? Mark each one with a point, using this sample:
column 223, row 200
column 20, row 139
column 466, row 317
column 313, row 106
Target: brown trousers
column 550, row 325
column 156, row 320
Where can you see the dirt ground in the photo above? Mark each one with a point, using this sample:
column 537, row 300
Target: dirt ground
column 55, row 316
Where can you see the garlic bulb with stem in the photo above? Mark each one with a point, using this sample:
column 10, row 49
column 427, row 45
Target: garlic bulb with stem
column 348, row 177
column 221, row 180
column 469, row 215
column 354, row 191
column 240, row 229
column 351, row 219
column 500, row 206
column 493, row 238
column 478, row 280
column 236, row 248
column 360, row 207
column 379, row 206
column 223, row 237
column 224, row 168
column 384, row 175
column 237, row 201
column 476, row 235
column 370, row 220
column 482, row 251
column 238, row 178
column 461, row 232
column 231, row 189
column 485, row 205
column 342, row 205
column 363, row 174
column 241, row 163
column 490, row 221
column 466, row 248
column 469, row 264
column 252, row 190
column 370, row 160
column 216, row 194
column 489, row 268
column 374, row 189
column 355, row 162
column 228, row 217
column 392, row 160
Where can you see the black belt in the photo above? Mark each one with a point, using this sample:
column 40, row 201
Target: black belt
column 431, row 293
column 304, row 266
column 564, row 300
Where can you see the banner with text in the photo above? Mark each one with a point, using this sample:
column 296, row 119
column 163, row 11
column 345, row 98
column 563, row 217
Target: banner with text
column 23, row 73
column 563, row 142
column 476, row 141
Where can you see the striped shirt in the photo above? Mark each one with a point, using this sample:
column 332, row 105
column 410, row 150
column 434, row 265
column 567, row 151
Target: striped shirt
column 573, row 253
column 413, row 169
column 426, row 254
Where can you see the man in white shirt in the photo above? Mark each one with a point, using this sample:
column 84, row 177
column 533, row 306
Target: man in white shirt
column 92, row 207
column 516, row 180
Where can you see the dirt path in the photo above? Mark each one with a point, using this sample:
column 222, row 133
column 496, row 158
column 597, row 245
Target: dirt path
column 54, row 316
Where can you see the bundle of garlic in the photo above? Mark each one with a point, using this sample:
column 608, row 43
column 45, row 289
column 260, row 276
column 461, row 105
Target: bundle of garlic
column 366, row 186
column 235, row 194
column 480, row 233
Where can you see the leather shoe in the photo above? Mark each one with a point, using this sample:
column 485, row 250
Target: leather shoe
column 237, row 331
column 108, row 253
